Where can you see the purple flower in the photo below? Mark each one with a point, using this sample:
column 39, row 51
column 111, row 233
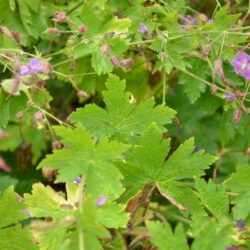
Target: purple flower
column 77, row 181
column 240, row 224
column 231, row 248
column 241, row 64
column 33, row 66
column 142, row 28
column 26, row 212
column 229, row 97
column 100, row 201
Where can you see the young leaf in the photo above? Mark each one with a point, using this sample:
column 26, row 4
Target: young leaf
column 164, row 238
column 121, row 118
column 81, row 156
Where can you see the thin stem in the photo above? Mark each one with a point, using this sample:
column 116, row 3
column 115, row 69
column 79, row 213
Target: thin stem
column 246, row 91
column 163, row 88
column 74, row 8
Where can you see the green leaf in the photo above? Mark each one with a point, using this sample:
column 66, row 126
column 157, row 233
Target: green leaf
column 213, row 197
column 83, row 157
column 10, row 208
column 45, row 202
column 121, row 118
column 239, row 183
column 212, row 236
column 117, row 25
column 145, row 163
column 223, row 20
column 4, row 110
column 164, row 238
column 14, row 238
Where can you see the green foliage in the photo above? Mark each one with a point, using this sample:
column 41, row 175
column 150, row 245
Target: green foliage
column 121, row 119
column 106, row 110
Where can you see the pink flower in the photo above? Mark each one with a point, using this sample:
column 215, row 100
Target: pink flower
column 142, row 28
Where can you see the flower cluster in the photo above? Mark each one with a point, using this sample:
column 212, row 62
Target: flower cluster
column 241, row 64
column 34, row 66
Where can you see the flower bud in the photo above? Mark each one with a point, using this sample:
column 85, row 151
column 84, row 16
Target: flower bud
column 239, row 94
column 5, row 31
column 218, row 70
column 52, row 31
column 236, row 115
column 115, row 61
column 56, row 144
column 104, row 49
column 59, row 17
column 3, row 134
column 101, row 201
column 81, row 28
column 15, row 85
column 81, row 93
column 128, row 63
column 3, row 166
column 16, row 36
column 206, row 49
column 248, row 151
column 39, row 115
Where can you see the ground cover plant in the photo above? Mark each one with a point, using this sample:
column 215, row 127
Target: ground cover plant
column 124, row 125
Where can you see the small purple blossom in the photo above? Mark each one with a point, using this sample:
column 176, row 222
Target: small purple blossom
column 240, row 224
column 26, row 212
column 33, row 66
column 142, row 28
column 100, row 201
column 77, row 180
column 241, row 64
column 230, row 248
column 229, row 97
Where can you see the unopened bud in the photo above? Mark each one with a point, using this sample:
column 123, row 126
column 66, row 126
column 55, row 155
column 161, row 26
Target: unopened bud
column 56, row 144
column 3, row 134
column 203, row 18
column 104, row 49
column 16, row 36
column 82, row 93
column 239, row 94
column 39, row 115
column 218, row 70
column 128, row 63
column 3, row 165
column 52, row 31
column 214, row 89
column 15, row 85
column 236, row 115
column 5, row 31
column 59, row 17
column 115, row 61
column 81, row 28
column 206, row 49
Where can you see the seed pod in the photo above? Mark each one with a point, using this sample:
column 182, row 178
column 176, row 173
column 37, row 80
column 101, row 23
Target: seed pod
column 239, row 94
column 52, row 31
column 237, row 115
column 206, row 49
column 15, row 85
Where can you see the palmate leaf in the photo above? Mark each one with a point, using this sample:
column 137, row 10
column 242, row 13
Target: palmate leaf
column 145, row 163
column 121, row 118
column 81, row 156
column 213, row 197
column 164, row 238
column 13, row 236
column 239, row 183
